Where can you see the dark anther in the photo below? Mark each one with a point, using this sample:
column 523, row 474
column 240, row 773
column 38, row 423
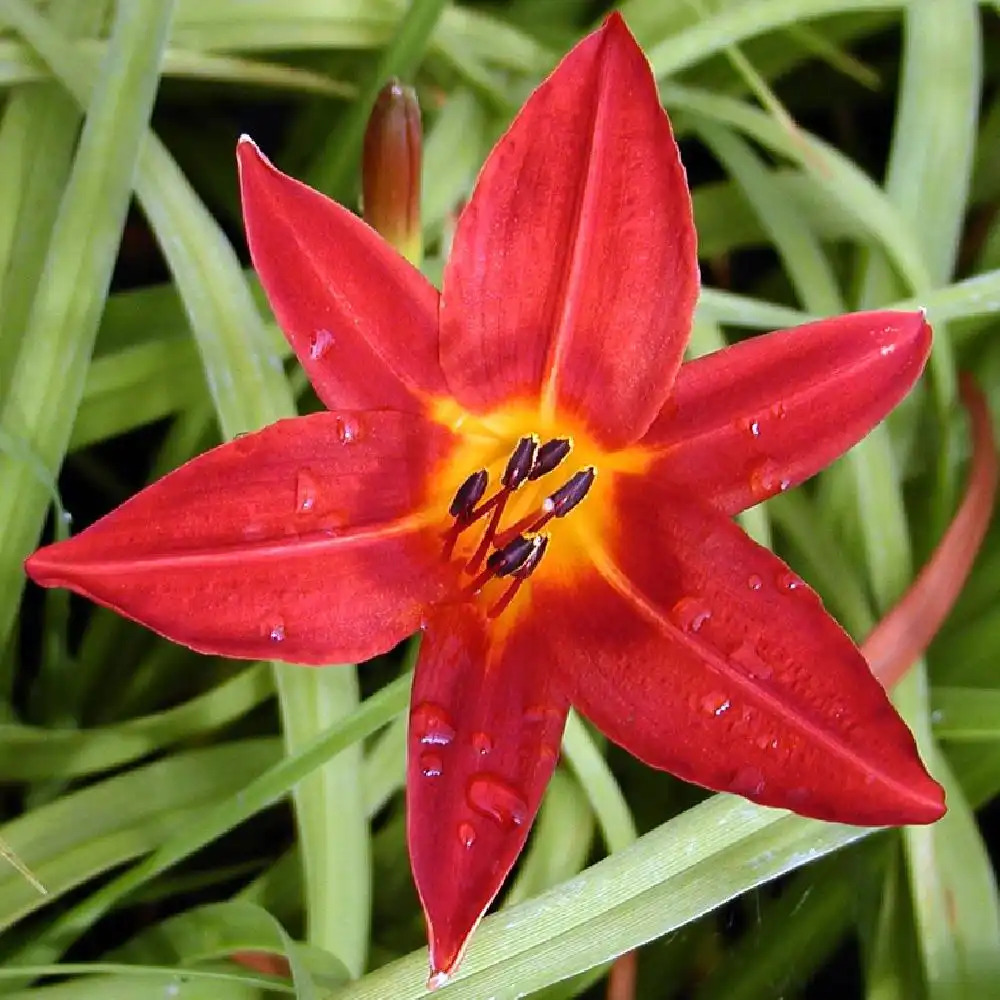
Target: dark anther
column 549, row 456
column 520, row 463
column 469, row 494
column 560, row 503
column 541, row 543
column 509, row 559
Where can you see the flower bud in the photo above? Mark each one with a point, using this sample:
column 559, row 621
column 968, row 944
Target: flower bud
column 391, row 170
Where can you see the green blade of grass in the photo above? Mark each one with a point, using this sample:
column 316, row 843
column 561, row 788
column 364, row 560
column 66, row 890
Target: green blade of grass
column 48, row 378
column 249, row 388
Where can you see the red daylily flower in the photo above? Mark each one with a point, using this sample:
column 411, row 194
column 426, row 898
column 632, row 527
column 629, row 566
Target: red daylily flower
column 522, row 468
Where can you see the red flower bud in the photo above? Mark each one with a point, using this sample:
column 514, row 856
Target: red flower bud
column 391, row 169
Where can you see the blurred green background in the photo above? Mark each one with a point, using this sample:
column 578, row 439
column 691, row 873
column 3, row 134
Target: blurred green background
column 177, row 809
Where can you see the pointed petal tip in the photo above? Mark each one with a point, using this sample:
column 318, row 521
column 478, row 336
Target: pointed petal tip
column 40, row 566
column 248, row 153
column 438, row 979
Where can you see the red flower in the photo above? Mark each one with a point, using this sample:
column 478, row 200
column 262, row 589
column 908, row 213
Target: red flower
column 522, row 468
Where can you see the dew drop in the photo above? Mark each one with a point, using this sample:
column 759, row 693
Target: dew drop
column 431, row 724
column 276, row 630
column 754, row 582
column 747, row 781
column 778, row 411
column 482, row 743
column 466, row 834
column 348, row 429
column 767, row 742
column 788, row 582
column 497, row 800
column 715, row 703
column 765, row 480
column 753, row 426
column 319, row 343
column 690, row 614
column 305, row 491
column 431, row 764
column 745, row 655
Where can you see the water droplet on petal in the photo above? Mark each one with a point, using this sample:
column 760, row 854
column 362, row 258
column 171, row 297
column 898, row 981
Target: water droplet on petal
column 431, row 724
column 305, row 491
column 348, row 428
column 690, row 613
column 767, row 742
column 753, row 426
column 496, row 799
column 747, row 781
column 320, row 342
column 766, row 480
column 482, row 743
column 276, row 630
column 745, row 655
column 788, row 582
column 778, row 411
column 754, row 582
column 431, row 764
column 466, row 834
column 715, row 703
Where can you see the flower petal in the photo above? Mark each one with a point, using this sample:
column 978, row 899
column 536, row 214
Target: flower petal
column 702, row 654
column 301, row 542
column 573, row 274
column 765, row 414
column 362, row 320
column 485, row 729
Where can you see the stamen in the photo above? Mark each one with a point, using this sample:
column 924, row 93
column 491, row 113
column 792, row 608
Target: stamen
column 489, row 535
column 520, row 463
column 557, row 504
column 468, row 495
column 549, row 456
column 538, row 546
column 513, row 556
column 560, row 503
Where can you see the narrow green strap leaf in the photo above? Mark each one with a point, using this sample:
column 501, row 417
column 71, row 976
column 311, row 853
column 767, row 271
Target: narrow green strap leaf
column 801, row 253
column 246, row 379
column 196, row 832
column 606, row 798
column 49, row 375
column 737, row 22
column 29, row 753
column 37, row 140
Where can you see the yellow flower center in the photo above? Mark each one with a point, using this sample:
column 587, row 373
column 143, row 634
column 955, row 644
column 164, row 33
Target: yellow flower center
column 521, row 496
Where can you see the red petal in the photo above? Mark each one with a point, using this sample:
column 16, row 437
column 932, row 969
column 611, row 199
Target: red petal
column 573, row 274
column 761, row 416
column 485, row 729
column 299, row 542
column 362, row 320
column 702, row 654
